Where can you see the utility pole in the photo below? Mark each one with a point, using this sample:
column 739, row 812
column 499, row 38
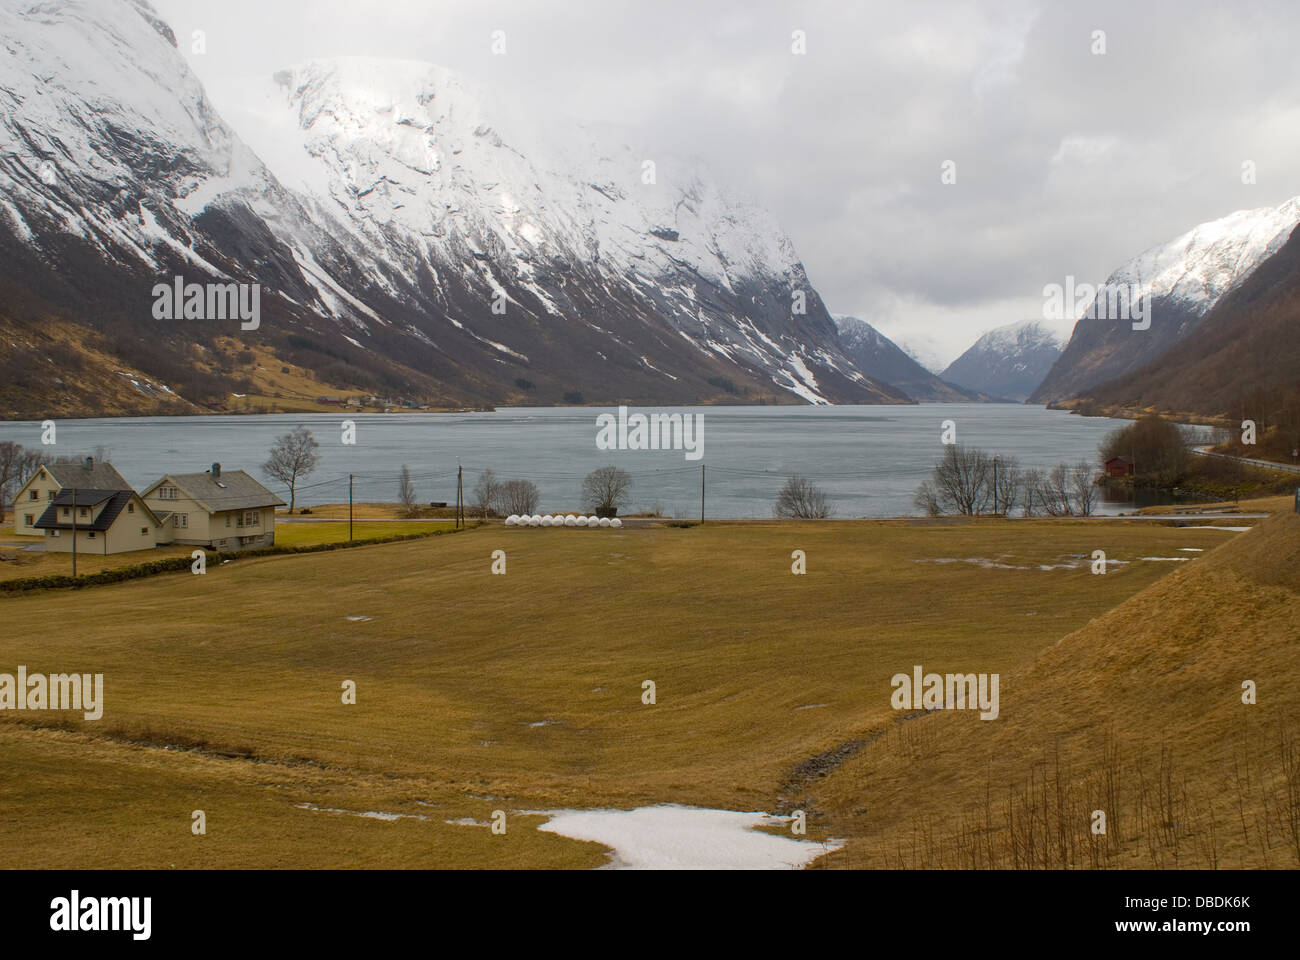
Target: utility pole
column 349, row 508
column 701, row 493
column 995, row 486
column 460, row 495
column 74, row 532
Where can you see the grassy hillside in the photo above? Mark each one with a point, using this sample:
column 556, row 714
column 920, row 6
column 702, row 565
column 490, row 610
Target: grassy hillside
column 520, row 692
column 1139, row 714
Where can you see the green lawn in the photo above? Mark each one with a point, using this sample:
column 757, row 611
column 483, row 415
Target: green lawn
column 297, row 534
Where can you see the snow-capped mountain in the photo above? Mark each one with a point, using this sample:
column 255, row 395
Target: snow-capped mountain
column 1240, row 362
column 398, row 224
column 1181, row 282
column 881, row 359
column 1007, row 362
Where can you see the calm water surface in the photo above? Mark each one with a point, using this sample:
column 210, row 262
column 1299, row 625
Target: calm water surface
column 869, row 459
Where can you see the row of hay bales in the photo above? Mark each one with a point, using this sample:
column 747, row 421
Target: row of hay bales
column 559, row 520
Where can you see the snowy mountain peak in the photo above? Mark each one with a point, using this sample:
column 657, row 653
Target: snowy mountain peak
column 1181, row 281
column 1200, row 266
column 397, row 221
column 1008, row 361
column 1025, row 335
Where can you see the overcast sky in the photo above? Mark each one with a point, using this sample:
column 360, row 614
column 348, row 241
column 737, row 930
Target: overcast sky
column 1067, row 162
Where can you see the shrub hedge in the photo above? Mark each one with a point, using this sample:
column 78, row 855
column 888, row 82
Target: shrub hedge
column 154, row 567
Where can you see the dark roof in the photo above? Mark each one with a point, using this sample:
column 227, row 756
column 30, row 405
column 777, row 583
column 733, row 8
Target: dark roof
column 232, row 490
column 100, row 476
column 116, row 503
column 84, row 498
column 1121, row 458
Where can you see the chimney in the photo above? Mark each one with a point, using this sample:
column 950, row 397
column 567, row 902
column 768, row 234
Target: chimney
column 88, row 463
column 216, row 471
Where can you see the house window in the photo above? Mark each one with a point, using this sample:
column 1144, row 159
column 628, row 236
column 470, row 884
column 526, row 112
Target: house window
column 250, row 518
column 82, row 512
column 67, row 511
column 144, row 531
column 31, row 520
column 130, row 508
column 49, row 494
column 92, row 534
column 167, row 493
column 227, row 520
column 33, row 494
column 182, row 520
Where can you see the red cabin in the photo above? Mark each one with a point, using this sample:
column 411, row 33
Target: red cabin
column 1119, row 467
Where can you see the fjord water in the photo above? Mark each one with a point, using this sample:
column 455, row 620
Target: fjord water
column 868, row 459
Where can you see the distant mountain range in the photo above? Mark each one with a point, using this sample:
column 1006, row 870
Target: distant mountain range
column 408, row 238
column 881, row 359
column 414, row 241
column 1008, row 362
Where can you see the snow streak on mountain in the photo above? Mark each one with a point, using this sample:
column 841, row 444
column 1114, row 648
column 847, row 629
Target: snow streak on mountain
column 399, row 225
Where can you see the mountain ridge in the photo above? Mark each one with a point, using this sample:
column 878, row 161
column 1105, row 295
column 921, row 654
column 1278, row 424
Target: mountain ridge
column 1180, row 281
column 609, row 295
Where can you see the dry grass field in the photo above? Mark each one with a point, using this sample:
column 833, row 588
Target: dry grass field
column 478, row 692
column 41, row 564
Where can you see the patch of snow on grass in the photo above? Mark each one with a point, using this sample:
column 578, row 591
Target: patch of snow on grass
column 367, row 814
column 673, row 837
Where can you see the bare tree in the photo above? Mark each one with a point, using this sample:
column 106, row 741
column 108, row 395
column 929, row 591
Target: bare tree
column 487, row 492
column 801, row 499
column 1032, row 492
column 17, row 464
column 926, row 499
column 961, row 481
column 406, row 492
column 1056, row 492
column 1084, row 489
column 519, row 497
column 606, row 489
column 294, row 456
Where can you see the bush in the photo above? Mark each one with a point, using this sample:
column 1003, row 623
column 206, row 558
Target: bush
column 800, row 499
